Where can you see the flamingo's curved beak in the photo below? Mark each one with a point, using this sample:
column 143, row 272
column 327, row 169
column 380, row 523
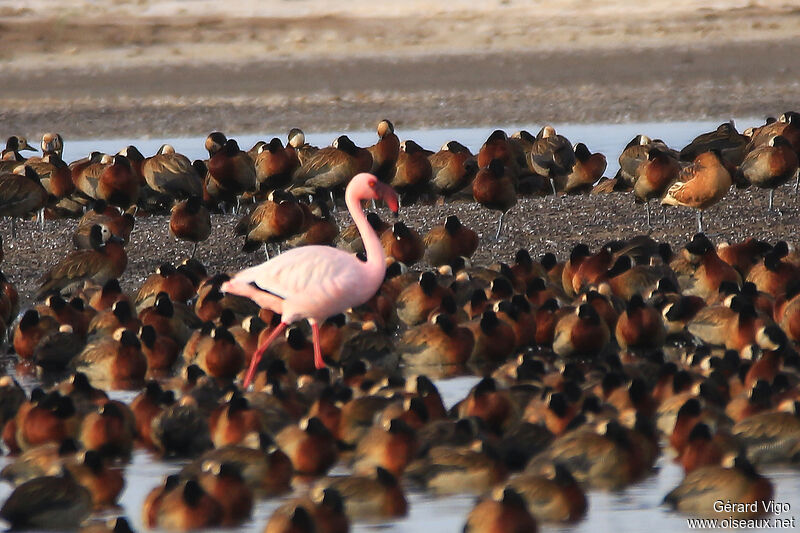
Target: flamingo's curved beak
column 391, row 199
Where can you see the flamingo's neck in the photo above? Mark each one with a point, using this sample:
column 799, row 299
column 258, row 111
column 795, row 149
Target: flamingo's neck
column 375, row 267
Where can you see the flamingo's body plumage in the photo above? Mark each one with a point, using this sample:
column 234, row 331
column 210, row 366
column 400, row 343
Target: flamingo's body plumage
column 315, row 282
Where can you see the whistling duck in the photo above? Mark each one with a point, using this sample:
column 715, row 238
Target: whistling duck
column 769, row 166
column 640, row 327
column 296, row 144
column 588, row 168
column 118, row 359
column 494, row 188
column 710, row 271
column 120, row 224
column 391, row 446
column 438, row 342
column 230, row 172
column 190, row 221
column 310, row 446
column 787, row 125
column 700, row 185
column 331, row 168
column 183, row 507
column 385, row 152
column 553, row 498
column 505, row 511
column 653, row 176
column 702, row 489
column 443, row 244
column 775, row 272
column 223, row 481
column 103, row 482
column 416, row 301
column 21, row 193
column 770, row 437
column 743, row 255
column 551, row 155
column 725, row 138
column 412, row 172
column 172, row 174
column 402, row 243
column 453, row 168
column 106, row 260
column 452, row 469
column 272, row 221
column 274, row 166
column 48, row 502
column 603, row 458
column 494, row 339
column 580, row 334
column 109, row 430
column 377, row 496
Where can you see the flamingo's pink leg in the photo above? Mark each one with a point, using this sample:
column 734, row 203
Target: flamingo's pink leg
column 260, row 352
column 318, row 362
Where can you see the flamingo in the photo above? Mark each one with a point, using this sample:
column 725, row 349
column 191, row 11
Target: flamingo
column 316, row 282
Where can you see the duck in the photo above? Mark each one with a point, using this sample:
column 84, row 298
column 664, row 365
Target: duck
column 385, row 152
column 769, row 166
column 310, row 446
column 332, row 167
column 551, row 155
column 494, row 189
column 654, row 176
column 505, row 511
column 190, row 220
column 274, row 220
column 402, row 243
column 106, row 260
column 701, row 185
column 274, row 165
column 730, row 143
column 230, row 172
column 452, row 169
column 172, row 174
column 556, row 497
column 586, row 171
column 581, row 333
column 21, row 193
column 451, row 469
column 368, row 497
column 390, row 446
column 118, row 360
column 224, row 483
column 412, row 171
column 738, row 483
column 48, row 502
column 439, row 341
column 445, row 243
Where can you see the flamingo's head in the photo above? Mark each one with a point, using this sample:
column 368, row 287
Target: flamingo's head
column 371, row 188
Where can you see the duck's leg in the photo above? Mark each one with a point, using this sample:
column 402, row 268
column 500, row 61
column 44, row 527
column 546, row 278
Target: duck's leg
column 771, row 199
column 699, row 221
column 647, row 210
column 499, row 226
column 260, row 352
column 194, row 250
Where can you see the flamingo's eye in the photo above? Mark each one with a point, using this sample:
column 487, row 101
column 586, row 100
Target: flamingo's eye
column 372, row 184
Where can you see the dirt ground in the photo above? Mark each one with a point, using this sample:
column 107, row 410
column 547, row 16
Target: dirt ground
column 186, row 67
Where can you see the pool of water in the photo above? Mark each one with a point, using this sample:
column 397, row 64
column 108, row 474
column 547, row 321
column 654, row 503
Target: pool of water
column 610, row 139
column 635, row 509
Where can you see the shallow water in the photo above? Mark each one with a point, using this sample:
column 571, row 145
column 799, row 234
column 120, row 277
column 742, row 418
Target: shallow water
column 635, row 509
column 610, row 139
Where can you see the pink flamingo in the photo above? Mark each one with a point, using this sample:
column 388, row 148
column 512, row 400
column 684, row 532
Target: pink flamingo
column 316, row 282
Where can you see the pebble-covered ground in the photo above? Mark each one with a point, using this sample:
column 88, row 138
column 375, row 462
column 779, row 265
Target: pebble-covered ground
column 538, row 224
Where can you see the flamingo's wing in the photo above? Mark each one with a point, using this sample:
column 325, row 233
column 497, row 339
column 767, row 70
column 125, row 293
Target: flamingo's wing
column 319, row 270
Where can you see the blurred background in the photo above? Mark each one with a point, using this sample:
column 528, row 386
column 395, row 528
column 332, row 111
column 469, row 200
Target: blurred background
column 183, row 67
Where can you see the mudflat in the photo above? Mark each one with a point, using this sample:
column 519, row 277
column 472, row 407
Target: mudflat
column 186, row 67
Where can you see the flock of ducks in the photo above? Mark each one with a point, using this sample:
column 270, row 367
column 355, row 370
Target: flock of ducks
column 590, row 364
